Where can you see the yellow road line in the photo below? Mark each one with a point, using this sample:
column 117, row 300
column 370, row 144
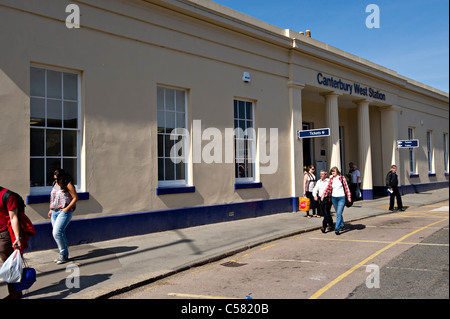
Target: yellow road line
column 365, row 261
column 264, row 248
column 378, row 241
column 173, row 294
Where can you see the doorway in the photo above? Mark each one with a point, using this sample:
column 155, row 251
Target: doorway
column 308, row 153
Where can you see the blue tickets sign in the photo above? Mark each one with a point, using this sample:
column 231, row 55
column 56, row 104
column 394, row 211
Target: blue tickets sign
column 407, row 143
column 313, row 133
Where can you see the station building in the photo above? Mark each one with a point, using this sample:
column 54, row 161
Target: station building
column 177, row 113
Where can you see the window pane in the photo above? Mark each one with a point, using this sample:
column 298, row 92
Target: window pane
column 180, row 99
column 70, row 114
column 160, row 145
column 52, row 165
column 180, row 171
column 69, row 143
column 170, row 99
column 70, row 86
column 170, row 121
column 160, row 169
column 168, row 144
column 241, row 111
column 37, row 142
column 37, row 112
column 37, row 82
column 248, row 110
column 53, row 141
column 161, row 122
column 54, row 84
column 181, row 121
column 169, row 170
column 37, row 172
column 54, row 113
column 70, row 166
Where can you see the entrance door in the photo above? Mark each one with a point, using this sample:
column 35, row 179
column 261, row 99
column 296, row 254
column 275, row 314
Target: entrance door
column 307, row 147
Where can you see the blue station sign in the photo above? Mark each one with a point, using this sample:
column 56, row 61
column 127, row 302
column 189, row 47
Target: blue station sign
column 407, row 143
column 313, row 133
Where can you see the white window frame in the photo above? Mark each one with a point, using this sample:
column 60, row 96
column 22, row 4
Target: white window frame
column 445, row 152
column 412, row 157
column 41, row 190
column 252, row 144
column 185, row 135
column 430, row 152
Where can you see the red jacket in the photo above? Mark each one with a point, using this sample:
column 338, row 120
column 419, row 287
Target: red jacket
column 26, row 226
column 26, row 230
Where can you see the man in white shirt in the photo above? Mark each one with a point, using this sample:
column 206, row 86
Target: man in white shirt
column 355, row 183
column 325, row 204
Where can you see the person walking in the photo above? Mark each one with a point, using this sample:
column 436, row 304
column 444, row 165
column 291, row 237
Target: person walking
column 392, row 185
column 325, row 204
column 62, row 204
column 9, row 212
column 309, row 181
column 338, row 188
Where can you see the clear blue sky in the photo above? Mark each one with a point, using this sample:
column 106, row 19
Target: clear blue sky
column 413, row 38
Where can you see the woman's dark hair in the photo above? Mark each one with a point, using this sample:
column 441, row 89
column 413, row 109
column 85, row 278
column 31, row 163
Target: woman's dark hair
column 62, row 178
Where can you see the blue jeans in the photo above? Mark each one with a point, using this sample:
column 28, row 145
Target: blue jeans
column 60, row 220
column 338, row 203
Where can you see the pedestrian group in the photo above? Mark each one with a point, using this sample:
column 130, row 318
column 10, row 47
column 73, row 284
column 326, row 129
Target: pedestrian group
column 341, row 191
column 323, row 193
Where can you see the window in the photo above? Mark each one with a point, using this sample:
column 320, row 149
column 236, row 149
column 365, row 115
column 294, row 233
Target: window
column 412, row 159
column 430, row 151
column 446, row 152
column 244, row 141
column 54, row 126
column 171, row 104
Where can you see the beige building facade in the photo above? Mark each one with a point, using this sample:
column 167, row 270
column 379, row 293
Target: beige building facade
column 98, row 87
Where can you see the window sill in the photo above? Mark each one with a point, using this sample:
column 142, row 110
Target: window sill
column 247, row 185
column 39, row 199
column 174, row 190
column 431, row 174
column 411, row 175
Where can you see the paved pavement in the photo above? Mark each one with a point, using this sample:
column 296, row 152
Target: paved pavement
column 102, row 269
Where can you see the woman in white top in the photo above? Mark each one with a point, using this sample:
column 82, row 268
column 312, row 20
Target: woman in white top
column 309, row 181
column 337, row 187
column 325, row 204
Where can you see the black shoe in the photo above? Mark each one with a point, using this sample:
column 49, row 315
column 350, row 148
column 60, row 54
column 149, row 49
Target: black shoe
column 323, row 230
column 402, row 209
column 337, row 232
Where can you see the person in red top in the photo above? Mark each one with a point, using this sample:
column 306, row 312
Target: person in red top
column 9, row 213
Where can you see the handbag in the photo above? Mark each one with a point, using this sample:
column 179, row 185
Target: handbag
column 11, row 270
column 28, row 277
column 304, row 204
column 347, row 203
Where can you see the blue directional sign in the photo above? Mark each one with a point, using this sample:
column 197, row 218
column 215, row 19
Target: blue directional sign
column 407, row 143
column 313, row 133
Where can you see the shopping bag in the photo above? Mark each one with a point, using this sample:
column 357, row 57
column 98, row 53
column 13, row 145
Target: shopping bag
column 11, row 270
column 28, row 279
column 304, row 204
